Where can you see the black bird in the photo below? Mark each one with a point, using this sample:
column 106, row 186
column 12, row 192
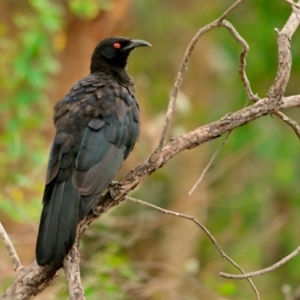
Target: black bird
column 97, row 125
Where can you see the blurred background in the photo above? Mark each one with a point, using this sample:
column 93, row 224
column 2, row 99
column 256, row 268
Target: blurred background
column 249, row 199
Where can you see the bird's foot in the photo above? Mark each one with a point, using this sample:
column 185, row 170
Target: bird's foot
column 111, row 189
column 112, row 195
column 95, row 212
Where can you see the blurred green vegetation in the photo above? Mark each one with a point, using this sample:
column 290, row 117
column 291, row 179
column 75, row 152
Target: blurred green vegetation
column 249, row 199
column 28, row 61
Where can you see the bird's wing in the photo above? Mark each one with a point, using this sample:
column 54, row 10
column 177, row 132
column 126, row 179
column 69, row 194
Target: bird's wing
column 61, row 199
column 97, row 126
column 107, row 140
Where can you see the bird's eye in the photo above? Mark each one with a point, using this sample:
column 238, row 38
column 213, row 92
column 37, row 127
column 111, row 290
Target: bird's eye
column 117, row 45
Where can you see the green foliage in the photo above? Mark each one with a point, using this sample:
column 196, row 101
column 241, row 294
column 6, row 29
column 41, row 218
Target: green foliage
column 107, row 273
column 112, row 268
column 24, row 80
column 254, row 181
column 88, row 9
column 252, row 187
column 228, row 289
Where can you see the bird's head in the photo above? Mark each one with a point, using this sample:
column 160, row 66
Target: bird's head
column 114, row 51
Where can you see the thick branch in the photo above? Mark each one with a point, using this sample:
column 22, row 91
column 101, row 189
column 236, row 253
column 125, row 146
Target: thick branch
column 277, row 90
column 39, row 277
column 29, row 281
column 191, row 140
column 33, row 279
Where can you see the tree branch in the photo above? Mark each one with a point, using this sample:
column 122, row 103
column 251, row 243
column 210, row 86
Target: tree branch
column 293, row 3
column 206, row 231
column 262, row 271
column 40, row 277
column 33, row 279
column 208, row 165
column 242, row 65
column 10, row 248
column 72, row 273
column 293, row 124
column 183, row 69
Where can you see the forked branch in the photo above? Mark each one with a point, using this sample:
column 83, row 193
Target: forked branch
column 33, row 279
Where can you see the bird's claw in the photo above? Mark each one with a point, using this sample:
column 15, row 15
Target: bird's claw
column 95, row 212
column 114, row 183
column 111, row 189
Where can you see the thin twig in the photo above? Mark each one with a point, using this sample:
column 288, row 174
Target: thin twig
column 10, row 248
column 209, row 164
column 289, row 121
column 207, row 232
column 229, row 10
column 250, row 95
column 182, row 70
column 242, row 71
column 37, row 277
column 276, row 93
column 242, row 65
column 262, row 271
column 293, row 3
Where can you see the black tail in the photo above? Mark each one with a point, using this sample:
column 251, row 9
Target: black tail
column 58, row 223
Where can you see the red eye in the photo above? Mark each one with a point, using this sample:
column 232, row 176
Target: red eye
column 117, row 45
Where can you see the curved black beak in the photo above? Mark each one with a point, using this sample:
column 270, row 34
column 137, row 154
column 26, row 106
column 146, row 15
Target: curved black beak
column 136, row 43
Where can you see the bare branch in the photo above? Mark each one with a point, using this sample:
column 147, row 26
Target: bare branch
column 230, row 9
column 39, row 277
column 263, row 271
column 293, row 3
column 208, row 165
column 10, row 248
column 72, row 273
column 293, row 124
column 242, row 71
column 206, row 231
column 284, row 37
column 242, row 66
column 30, row 281
column 182, row 70
column 245, row 81
column 33, row 279
column 186, row 141
column 284, row 68
column 290, row 102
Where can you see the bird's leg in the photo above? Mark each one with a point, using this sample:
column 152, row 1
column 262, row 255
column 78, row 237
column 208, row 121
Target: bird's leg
column 94, row 210
column 111, row 189
column 112, row 185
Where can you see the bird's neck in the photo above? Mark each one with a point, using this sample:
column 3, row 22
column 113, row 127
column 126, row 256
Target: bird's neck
column 117, row 73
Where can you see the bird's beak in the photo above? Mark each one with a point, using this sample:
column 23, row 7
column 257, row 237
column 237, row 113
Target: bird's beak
column 136, row 43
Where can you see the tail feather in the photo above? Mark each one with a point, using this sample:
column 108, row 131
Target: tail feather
column 58, row 223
